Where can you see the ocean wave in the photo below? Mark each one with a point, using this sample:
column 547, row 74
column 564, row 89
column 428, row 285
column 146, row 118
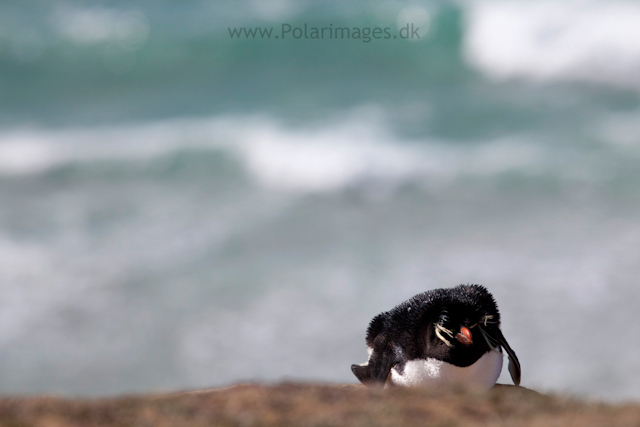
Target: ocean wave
column 585, row 41
column 322, row 157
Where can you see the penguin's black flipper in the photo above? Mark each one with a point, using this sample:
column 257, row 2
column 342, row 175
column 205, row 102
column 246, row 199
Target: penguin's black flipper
column 383, row 358
column 514, row 363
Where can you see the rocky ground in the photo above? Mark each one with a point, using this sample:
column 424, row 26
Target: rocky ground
column 318, row 405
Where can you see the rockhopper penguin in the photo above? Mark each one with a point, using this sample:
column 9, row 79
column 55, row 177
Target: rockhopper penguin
column 442, row 336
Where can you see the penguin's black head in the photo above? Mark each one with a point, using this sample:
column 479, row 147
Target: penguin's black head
column 458, row 325
column 465, row 316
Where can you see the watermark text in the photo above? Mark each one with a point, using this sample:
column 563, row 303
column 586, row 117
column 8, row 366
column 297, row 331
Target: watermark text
column 309, row 32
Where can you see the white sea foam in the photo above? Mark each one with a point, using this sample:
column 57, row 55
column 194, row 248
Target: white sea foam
column 129, row 29
column 574, row 40
column 36, row 280
column 621, row 129
column 326, row 157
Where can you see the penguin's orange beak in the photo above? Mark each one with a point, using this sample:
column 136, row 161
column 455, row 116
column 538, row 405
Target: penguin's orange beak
column 464, row 336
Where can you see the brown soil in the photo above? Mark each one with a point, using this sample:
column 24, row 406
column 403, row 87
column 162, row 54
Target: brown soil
column 318, row 405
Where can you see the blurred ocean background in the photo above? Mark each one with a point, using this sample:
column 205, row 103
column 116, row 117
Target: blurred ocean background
column 182, row 210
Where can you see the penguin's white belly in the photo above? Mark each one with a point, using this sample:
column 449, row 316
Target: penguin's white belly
column 433, row 372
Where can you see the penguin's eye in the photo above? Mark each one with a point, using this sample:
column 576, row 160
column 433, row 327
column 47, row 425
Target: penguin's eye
column 443, row 318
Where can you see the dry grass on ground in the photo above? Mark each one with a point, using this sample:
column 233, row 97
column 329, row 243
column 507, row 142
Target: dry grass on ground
column 318, row 405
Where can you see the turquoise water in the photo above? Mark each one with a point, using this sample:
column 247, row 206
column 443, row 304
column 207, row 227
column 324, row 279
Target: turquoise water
column 180, row 209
